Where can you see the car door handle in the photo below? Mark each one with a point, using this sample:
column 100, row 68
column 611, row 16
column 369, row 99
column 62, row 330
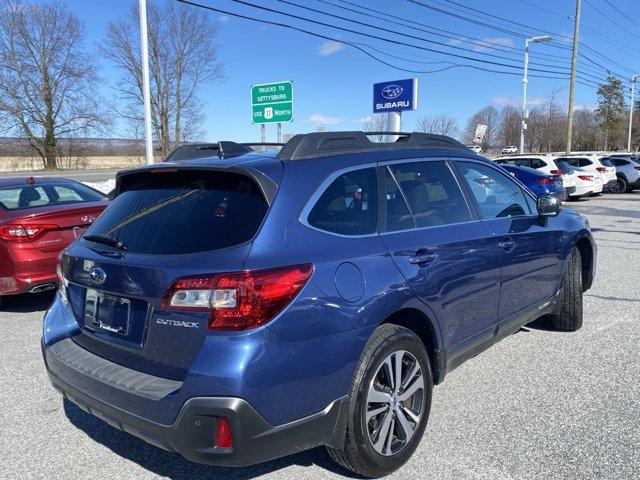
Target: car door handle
column 508, row 245
column 422, row 257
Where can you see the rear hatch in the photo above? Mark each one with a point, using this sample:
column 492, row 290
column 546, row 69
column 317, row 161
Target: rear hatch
column 171, row 224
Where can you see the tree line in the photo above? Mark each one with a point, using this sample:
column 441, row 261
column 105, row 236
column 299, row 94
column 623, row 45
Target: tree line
column 50, row 81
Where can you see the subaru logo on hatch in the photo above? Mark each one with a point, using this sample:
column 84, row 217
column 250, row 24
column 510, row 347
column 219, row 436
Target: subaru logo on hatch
column 88, row 219
column 391, row 91
column 97, row 275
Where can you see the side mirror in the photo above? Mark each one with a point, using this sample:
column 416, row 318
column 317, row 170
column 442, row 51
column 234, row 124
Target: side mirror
column 548, row 206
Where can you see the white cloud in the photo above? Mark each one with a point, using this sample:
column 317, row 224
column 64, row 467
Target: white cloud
column 329, row 48
column 223, row 19
column 517, row 101
column 321, row 119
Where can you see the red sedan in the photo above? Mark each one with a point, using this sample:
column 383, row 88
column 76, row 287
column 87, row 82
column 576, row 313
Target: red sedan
column 39, row 217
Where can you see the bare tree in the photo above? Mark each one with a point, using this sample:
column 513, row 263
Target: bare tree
column 486, row 116
column 439, row 124
column 509, row 130
column 556, row 118
column 378, row 122
column 183, row 58
column 47, row 81
column 536, row 127
column 586, row 131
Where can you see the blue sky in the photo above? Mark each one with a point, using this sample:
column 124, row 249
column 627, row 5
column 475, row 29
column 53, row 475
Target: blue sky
column 333, row 81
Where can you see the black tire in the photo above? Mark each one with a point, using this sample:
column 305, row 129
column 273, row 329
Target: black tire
column 620, row 186
column 358, row 453
column 569, row 317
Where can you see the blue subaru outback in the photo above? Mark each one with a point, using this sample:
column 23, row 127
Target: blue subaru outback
column 235, row 306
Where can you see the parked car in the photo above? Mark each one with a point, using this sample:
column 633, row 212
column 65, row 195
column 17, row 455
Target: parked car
column 627, row 173
column 593, row 164
column 509, row 150
column 39, row 217
column 587, row 183
column 547, row 164
column 538, row 182
column 238, row 310
column 475, row 148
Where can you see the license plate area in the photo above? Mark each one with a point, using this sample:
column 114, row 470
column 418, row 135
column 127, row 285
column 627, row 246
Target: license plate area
column 558, row 183
column 107, row 313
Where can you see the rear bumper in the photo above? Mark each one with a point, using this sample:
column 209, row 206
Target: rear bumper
column 570, row 190
column 192, row 435
column 22, row 268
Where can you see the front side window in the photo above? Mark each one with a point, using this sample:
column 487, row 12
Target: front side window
column 497, row 195
column 398, row 214
column 432, row 193
column 349, row 206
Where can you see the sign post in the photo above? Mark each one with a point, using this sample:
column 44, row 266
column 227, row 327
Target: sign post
column 271, row 103
column 394, row 97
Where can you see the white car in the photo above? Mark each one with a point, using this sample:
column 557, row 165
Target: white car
column 546, row 164
column 593, row 164
column 587, row 183
column 510, row 150
column 475, row 148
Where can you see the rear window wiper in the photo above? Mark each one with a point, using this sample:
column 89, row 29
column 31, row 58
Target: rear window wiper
column 105, row 240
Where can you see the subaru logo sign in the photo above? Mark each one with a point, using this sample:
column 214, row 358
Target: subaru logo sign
column 88, row 219
column 391, row 91
column 395, row 96
column 97, row 275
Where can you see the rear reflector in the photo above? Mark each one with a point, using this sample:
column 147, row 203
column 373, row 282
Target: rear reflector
column 239, row 300
column 585, row 177
column 223, row 433
column 20, row 233
column 555, row 172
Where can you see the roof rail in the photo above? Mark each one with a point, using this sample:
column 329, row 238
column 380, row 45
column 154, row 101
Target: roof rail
column 321, row 144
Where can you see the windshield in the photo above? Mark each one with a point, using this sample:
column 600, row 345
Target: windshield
column 184, row 212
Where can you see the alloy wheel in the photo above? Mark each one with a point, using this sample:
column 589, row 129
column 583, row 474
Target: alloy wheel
column 395, row 403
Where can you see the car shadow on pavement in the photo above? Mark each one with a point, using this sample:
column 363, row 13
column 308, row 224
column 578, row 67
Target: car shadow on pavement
column 27, row 303
column 173, row 466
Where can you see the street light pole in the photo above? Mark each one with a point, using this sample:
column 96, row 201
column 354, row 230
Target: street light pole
column 146, row 93
column 525, row 81
column 633, row 91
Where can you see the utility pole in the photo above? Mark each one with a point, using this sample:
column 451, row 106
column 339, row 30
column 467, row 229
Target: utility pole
column 146, row 93
column 572, row 81
column 633, row 91
column 525, row 81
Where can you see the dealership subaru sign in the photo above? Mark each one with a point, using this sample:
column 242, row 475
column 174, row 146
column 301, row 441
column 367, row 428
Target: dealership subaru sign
column 395, row 96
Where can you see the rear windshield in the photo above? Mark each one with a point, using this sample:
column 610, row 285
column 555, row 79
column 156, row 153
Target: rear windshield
column 606, row 162
column 19, row 197
column 184, row 212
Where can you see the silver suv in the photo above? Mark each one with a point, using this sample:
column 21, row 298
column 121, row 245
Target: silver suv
column 627, row 172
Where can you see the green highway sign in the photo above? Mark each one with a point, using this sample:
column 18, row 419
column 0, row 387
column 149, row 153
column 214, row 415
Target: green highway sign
column 272, row 102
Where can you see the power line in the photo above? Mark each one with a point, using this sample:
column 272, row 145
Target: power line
column 610, row 19
column 527, row 2
column 360, row 48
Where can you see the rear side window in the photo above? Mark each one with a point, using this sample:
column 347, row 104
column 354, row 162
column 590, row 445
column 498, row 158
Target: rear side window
column 349, row 206
column 619, row 163
column 537, row 163
column 432, row 193
column 184, row 212
column 497, row 195
column 49, row 194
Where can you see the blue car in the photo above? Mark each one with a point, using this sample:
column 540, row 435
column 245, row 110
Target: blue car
column 537, row 181
column 246, row 305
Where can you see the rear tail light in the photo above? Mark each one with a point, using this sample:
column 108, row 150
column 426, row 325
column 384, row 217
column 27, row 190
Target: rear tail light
column 555, row 171
column 585, row 177
column 223, row 433
column 546, row 181
column 601, row 169
column 239, row 300
column 20, row 233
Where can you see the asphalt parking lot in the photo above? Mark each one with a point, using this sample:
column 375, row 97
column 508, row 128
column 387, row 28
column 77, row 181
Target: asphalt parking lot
column 540, row 404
